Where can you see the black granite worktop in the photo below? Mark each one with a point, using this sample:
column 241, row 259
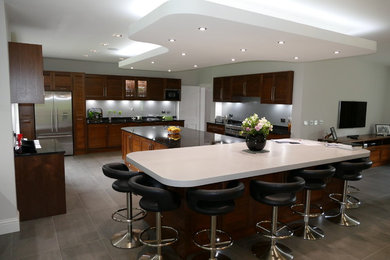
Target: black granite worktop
column 277, row 129
column 49, row 146
column 120, row 120
column 188, row 137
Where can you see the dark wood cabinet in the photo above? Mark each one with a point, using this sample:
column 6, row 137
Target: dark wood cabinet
column 27, row 120
column 172, row 83
column 95, row 86
column 114, row 88
column 57, row 81
column 79, row 113
column 277, row 88
column 26, row 73
column 155, row 89
column 115, row 135
column 215, row 128
column 97, row 136
column 273, row 88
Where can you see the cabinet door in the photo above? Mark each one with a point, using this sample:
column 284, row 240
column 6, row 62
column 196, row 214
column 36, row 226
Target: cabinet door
column 216, row 128
column 62, row 81
column 142, row 88
column 238, row 84
column 27, row 120
column 95, row 86
column 267, row 87
column 156, row 89
column 79, row 114
column 283, row 87
column 114, row 88
column 47, row 80
column 97, row 136
column 227, row 93
column 252, row 86
column 26, row 73
column 173, row 84
column 115, row 135
column 217, row 89
column 130, row 88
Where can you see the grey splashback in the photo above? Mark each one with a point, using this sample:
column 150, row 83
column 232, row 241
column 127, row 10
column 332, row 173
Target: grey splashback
column 130, row 108
column 272, row 112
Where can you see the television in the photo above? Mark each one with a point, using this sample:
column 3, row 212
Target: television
column 352, row 114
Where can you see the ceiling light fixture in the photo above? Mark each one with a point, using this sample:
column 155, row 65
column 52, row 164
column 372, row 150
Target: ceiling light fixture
column 233, row 59
column 92, row 50
column 171, row 40
column 117, row 35
column 336, row 52
column 152, row 62
column 296, row 58
column 243, row 50
column 131, row 68
column 280, row 42
column 183, row 54
column 202, row 29
column 195, row 66
column 169, row 70
column 121, row 58
column 85, row 55
column 105, row 44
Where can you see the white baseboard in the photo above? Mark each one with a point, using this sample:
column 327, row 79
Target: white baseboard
column 9, row 225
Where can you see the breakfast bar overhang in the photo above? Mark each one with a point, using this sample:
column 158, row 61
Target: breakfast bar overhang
column 212, row 166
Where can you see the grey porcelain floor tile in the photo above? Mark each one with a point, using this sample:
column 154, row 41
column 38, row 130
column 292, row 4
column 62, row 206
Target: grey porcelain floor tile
column 119, row 254
column 382, row 254
column 92, row 250
column 50, row 255
column 35, row 237
column 96, row 200
column 74, row 229
column 74, row 204
column 6, row 246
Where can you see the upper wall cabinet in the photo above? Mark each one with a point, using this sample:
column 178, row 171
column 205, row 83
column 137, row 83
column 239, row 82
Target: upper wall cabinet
column 273, row 88
column 114, row 87
column 26, row 73
column 104, row 87
column 60, row 81
column 136, row 88
column 277, row 88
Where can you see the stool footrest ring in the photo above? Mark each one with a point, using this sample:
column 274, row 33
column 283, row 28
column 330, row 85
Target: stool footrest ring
column 220, row 242
column 352, row 202
column 295, row 209
column 282, row 232
column 352, row 189
column 164, row 241
column 121, row 215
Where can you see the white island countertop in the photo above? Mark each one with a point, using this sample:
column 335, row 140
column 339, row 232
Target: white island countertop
column 201, row 165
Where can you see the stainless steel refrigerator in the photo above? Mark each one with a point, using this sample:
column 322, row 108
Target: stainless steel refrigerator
column 53, row 119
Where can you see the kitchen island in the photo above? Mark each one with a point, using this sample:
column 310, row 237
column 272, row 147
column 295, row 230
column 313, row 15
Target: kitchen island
column 215, row 165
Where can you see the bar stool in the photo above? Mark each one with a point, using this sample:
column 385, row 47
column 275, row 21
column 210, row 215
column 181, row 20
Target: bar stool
column 214, row 203
column 155, row 198
column 275, row 195
column 127, row 238
column 347, row 171
column 315, row 179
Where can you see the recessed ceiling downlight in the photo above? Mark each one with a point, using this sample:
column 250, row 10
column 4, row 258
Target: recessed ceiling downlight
column 183, row 54
column 281, row 42
column 152, row 62
column 195, row 66
column 337, row 52
column 202, row 29
column 296, row 58
column 169, row 70
column 171, row 40
column 243, row 50
column 117, row 35
column 233, row 59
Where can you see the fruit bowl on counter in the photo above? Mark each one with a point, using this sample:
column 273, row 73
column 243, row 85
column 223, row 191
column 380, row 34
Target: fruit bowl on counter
column 174, row 132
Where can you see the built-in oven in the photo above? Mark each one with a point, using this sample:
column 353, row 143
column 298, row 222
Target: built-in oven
column 172, row 94
column 233, row 130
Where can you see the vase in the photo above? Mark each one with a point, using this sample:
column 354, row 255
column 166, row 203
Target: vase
column 256, row 142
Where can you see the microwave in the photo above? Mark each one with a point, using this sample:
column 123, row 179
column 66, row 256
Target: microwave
column 172, row 94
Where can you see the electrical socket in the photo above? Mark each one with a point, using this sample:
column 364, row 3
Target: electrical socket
column 305, row 122
column 283, row 120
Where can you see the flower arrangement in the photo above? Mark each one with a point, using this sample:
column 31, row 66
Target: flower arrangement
column 254, row 125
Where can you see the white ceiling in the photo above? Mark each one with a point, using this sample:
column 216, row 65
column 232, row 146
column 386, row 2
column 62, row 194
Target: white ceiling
column 77, row 29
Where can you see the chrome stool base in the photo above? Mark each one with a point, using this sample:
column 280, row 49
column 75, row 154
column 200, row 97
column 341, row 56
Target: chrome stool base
column 352, row 202
column 309, row 232
column 266, row 251
column 343, row 219
column 124, row 239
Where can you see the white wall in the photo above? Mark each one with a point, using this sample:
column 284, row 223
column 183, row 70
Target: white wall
column 192, row 107
column 326, row 83
column 9, row 217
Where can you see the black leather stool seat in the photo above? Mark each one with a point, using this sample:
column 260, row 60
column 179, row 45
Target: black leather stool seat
column 315, row 178
column 215, row 202
column 352, row 170
column 126, row 238
column 276, row 194
column 155, row 196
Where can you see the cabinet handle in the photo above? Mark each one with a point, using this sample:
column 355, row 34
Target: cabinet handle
column 150, row 146
column 273, row 93
column 244, row 89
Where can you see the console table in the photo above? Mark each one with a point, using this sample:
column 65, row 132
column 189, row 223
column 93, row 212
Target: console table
column 378, row 145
